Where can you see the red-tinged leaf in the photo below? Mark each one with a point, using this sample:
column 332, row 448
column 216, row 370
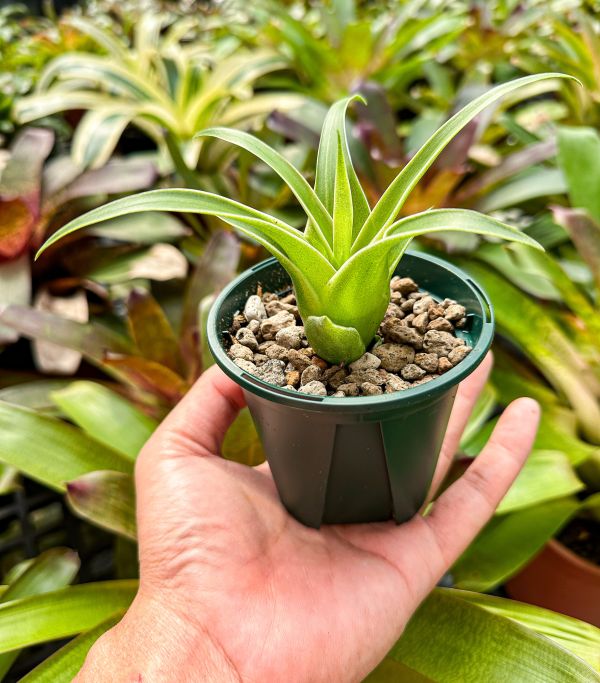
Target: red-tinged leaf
column 149, row 376
column 92, row 340
column 215, row 268
column 377, row 125
column 51, row 358
column 584, row 232
column 106, row 499
column 151, row 331
column 20, row 188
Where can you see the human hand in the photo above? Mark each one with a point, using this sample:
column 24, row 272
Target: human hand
column 232, row 588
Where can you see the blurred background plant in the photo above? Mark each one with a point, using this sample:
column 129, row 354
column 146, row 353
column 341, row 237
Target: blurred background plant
column 103, row 335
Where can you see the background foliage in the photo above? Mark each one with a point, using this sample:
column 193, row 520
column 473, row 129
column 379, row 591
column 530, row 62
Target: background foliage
column 103, row 335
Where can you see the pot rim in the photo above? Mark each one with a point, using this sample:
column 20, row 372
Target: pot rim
column 555, row 546
column 354, row 404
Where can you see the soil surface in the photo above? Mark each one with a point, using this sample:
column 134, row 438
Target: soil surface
column 582, row 536
column 416, row 343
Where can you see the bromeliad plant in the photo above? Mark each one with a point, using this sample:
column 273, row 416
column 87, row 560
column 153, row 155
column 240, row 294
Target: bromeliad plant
column 342, row 264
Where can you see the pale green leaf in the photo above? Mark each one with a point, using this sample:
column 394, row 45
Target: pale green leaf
column 579, row 637
column 97, row 135
column 62, row 613
column 51, row 451
column 106, row 416
column 579, row 159
column 342, row 209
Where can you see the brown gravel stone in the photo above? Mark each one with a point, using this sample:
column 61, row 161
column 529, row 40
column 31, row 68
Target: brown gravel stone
column 394, row 311
column 254, row 309
column 254, row 327
column 290, row 337
column 455, row 312
column 412, row 372
column 370, row 375
column 278, row 352
column 427, row 361
column 422, row 305
column 367, row 361
column 395, row 383
column 421, row 321
column 436, row 311
column 260, row 358
column 394, row 357
column 269, row 296
column 263, row 346
column 239, row 320
column 319, row 362
column 310, row 374
column 299, row 359
column 246, row 365
column 444, row 364
column 315, row 388
column 338, row 379
column 241, row 352
column 246, row 338
column 404, row 285
column 272, row 372
column 440, row 324
column 292, row 378
column 350, row 389
column 271, row 326
column 440, row 343
column 369, row 389
column 407, row 306
column 458, row 353
column 393, row 330
column 289, row 299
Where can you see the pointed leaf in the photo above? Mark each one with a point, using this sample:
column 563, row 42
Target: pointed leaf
column 49, row 450
column 579, row 159
column 334, row 126
column 585, row 233
column 105, row 416
column 242, row 443
column 62, row 613
column 15, row 289
column 394, row 197
column 106, row 499
column 97, row 135
column 64, row 664
column 342, row 210
column 310, row 202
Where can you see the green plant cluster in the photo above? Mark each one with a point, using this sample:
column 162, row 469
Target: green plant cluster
column 103, row 334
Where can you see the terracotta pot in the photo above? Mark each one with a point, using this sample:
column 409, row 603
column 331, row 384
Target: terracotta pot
column 560, row 580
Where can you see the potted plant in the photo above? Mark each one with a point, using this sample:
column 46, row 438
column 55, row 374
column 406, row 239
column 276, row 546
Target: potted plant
column 343, row 458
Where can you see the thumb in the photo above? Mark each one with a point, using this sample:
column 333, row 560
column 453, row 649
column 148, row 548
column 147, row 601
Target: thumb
column 199, row 422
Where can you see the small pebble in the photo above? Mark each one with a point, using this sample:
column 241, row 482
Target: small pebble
column 393, row 330
column 312, row 373
column 412, row 372
column 292, row 377
column 394, row 357
column 246, row 365
column 263, row 346
column 319, row 362
column 269, row 296
column 260, row 358
column 420, row 322
column 427, row 361
column 246, row 338
column 395, row 383
column 272, row 372
column 369, row 389
column 443, row 365
column 440, row 343
column 440, row 324
column 407, row 306
column 241, row 352
column 404, row 285
column 315, row 388
column 436, row 311
column 394, row 311
column 254, row 327
column 254, row 308
column 278, row 352
column 455, row 312
column 422, row 305
column 458, row 353
column 350, row 389
column 366, row 362
column 299, row 359
column 338, row 394
column 239, row 320
column 290, row 337
column 271, row 326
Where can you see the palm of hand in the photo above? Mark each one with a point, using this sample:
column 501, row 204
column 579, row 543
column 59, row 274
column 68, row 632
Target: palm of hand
column 279, row 601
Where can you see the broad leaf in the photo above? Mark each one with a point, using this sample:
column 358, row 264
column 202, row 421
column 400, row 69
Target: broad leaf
column 106, row 499
column 51, row 451
column 508, row 542
column 106, row 416
column 97, row 135
column 579, row 159
column 15, row 289
column 452, row 639
column 62, row 613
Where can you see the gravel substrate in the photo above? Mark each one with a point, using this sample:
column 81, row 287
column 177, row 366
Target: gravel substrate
column 417, row 343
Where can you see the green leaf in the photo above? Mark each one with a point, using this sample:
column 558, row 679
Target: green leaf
column 35, row 395
column 334, row 131
column 534, row 183
column 579, row 637
column 451, row 639
column 585, row 233
column 310, row 202
column 97, row 135
column 242, row 443
column 484, row 407
column 579, row 159
column 545, row 476
column 106, row 417
column 394, row 197
column 64, row 664
column 49, row 571
column 342, row 209
column 142, row 228
column 508, row 542
column 106, row 499
column 51, row 451
column 62, row 613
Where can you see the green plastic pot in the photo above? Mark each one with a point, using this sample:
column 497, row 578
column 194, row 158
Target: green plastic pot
column 354, row 459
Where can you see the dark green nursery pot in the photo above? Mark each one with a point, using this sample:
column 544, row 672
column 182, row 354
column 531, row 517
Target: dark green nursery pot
column 361, row 459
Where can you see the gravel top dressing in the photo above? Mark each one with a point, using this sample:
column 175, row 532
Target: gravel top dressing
column 416, row 343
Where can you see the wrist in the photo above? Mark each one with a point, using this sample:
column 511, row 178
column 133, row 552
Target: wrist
column 154, row 643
